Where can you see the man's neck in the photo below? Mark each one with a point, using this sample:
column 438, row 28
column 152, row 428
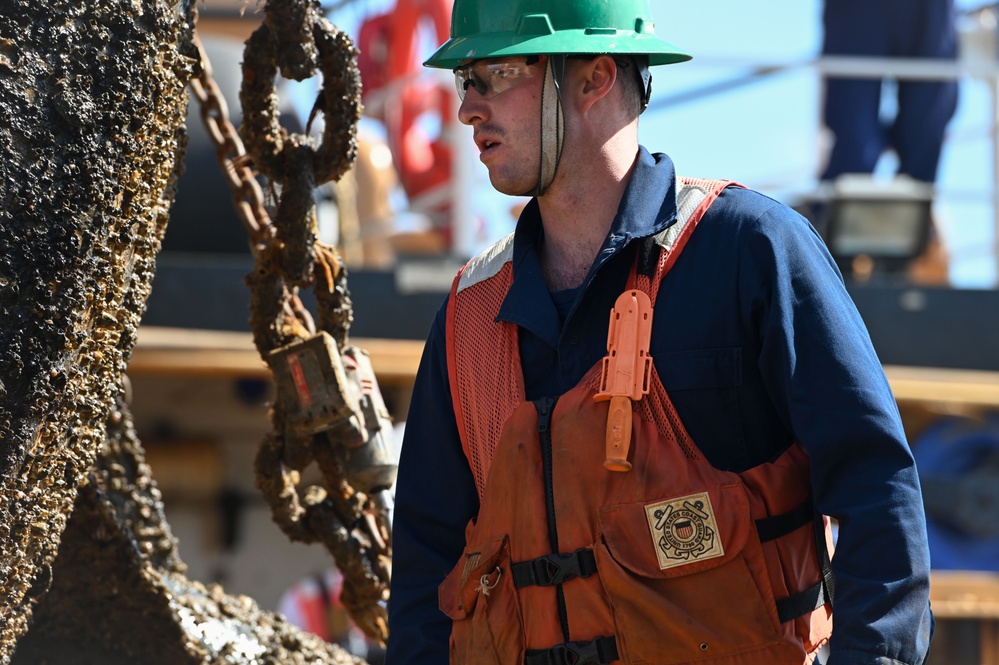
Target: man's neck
column 577, row 213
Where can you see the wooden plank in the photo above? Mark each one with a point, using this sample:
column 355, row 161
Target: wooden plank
column 989, row 643
column 944, row 386
column 968, row 595
column 962, row 594
column 217, row 353
column 162, row 350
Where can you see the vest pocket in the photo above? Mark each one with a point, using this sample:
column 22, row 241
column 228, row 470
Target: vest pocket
column 688, row 583
column 479, row 596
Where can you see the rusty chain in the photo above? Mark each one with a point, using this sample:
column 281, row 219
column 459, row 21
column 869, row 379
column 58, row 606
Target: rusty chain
column 296, row 39
column 248, row 196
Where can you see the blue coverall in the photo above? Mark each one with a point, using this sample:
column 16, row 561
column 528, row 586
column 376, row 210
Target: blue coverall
column 757, row 343
column 888, row 28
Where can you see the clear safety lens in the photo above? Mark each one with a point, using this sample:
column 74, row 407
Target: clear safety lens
column 491, row 78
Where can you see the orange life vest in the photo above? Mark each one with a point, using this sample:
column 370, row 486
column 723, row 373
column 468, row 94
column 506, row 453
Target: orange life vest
column 673, row 561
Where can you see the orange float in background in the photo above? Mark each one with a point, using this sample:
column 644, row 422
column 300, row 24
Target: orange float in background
column 414, row 109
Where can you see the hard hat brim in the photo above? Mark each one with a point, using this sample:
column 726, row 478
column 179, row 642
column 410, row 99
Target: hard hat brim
column 460, row 50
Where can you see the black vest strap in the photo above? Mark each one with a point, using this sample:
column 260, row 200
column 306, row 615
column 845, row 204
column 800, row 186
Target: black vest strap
column 776, row 526
column 802, row 602
column 554, row 568
column 812, row 598
column 600, row 651
column 825, row 563
column 647, row 260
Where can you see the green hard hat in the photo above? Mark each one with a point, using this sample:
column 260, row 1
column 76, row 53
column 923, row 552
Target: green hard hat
column 503, row 28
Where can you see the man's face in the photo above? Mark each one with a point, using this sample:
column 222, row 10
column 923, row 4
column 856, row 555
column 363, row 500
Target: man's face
column 502, row 104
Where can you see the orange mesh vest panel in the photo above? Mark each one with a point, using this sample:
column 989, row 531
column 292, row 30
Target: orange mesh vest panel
column 672, row 562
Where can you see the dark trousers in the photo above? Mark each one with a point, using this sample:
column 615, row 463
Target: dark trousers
column 888, row 28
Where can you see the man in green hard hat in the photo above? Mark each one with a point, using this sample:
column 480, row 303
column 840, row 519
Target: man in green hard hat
column 636, row 415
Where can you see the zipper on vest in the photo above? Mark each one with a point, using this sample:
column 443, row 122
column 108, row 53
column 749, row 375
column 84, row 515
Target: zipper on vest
column 545, row 407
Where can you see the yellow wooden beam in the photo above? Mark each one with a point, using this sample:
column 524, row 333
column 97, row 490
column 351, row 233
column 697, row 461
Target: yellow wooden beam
column 964, row 594
column 218, row 353
column 161, row 350
column 944, row 386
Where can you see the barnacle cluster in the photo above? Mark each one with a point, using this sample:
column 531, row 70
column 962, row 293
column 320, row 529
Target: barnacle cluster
column 93, row 102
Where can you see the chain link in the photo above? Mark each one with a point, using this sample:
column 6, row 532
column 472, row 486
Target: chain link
column 247, row 194
column 297, row 40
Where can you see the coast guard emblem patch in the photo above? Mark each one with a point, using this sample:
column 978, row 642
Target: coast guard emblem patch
column 684, row 530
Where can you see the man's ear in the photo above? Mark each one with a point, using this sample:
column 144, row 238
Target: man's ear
column 598, row 76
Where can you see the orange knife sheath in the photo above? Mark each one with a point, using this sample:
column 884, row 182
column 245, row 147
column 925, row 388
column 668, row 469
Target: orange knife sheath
column 625, row 372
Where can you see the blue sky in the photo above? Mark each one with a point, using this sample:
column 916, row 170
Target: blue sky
column 767, row 134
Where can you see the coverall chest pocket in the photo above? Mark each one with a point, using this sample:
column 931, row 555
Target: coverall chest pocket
column 479, row 596
column 699, row 369
column 704, row 385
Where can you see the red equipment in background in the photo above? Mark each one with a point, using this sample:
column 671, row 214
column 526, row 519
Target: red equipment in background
column 409, row 105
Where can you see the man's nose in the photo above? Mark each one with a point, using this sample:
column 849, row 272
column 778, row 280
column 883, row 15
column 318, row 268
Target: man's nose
column 473, row 107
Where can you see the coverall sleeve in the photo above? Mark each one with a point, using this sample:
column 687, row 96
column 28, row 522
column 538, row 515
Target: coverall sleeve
column 825, row 378
column 435, row 499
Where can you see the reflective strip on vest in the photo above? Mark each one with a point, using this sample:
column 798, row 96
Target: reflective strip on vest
column 487, row 264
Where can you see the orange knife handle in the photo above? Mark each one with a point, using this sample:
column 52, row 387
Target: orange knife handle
column 618, row 433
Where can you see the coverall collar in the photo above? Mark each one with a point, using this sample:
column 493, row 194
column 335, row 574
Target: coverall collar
column 647, row 207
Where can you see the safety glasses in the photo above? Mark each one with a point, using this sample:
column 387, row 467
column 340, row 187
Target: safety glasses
column 490, row 78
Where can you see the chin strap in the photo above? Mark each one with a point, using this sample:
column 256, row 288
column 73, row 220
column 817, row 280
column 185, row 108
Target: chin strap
column 552, row 124
column 553, row 119
column 645, row 77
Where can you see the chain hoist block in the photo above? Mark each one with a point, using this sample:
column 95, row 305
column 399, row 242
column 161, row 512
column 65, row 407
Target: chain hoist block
column 371, row 466
column 313, row 388
column 324, row 392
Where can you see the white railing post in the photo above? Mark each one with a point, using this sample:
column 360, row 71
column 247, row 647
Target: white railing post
column 462, row 190
column 994, row 134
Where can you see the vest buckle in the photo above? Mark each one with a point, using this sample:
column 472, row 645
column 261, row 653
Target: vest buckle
column 599, row 651
column 554, row 568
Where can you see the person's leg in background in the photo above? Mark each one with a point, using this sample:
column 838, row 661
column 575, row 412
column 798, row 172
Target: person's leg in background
column 851, row 114
column 851, row 107
column 924, row 29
